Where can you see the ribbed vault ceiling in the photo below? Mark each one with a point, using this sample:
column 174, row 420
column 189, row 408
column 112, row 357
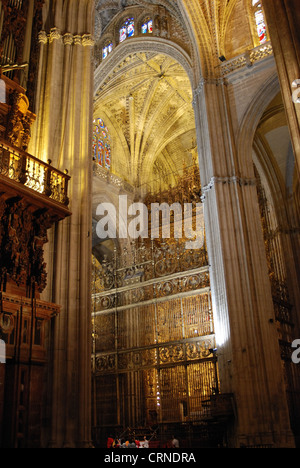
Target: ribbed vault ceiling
column 147, row 103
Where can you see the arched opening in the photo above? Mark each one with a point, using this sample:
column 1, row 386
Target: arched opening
column 154, row 364
column 277, row 182
column 264, row 133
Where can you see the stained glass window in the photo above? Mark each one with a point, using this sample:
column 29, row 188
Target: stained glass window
column 260, row 21
column 101, row 144
column 127, row 30
column 107, row 50
column 147, row 26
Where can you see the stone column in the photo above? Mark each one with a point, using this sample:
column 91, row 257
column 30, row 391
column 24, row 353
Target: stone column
column 247, row 341
column 283, row 20
column 63, row 134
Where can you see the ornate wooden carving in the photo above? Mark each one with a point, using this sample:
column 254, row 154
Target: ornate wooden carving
column 15, row 117
column 33, row 196
column 12, row 40
column 23, row 234
column 19, row 121
column 14, row 24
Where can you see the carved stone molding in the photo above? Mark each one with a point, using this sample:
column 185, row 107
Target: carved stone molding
column 245, row 60
column 68, row 39
column 86, row 40
column 42, row 37
column 234, row 180
column 55, row 35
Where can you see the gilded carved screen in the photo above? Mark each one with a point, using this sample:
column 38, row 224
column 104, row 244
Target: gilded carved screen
column 153, row 341
column 153, row 335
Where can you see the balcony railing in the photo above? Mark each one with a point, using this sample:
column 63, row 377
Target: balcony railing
column 247, row 59
column 41, row 177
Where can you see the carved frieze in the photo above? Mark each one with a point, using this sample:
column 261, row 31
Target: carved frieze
column 67, row 39
column 184, row 352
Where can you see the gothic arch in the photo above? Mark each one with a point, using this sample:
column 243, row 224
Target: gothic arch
column 125, row 57
column 251, row 120
column 143, row 44
column 209, row 31
column 252, row 151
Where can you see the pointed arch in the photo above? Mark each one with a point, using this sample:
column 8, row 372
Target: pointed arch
column 208, row 24
column 144, row 44
column 252, row 117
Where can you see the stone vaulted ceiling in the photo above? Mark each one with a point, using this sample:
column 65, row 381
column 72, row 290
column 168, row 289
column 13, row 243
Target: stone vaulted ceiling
column 147, row 104
column 146, row 99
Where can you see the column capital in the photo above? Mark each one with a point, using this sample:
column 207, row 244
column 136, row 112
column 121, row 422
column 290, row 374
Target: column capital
column 85, row 40
column 55, row 35
column 42, row 37
column 88, row 40
column 68, row 39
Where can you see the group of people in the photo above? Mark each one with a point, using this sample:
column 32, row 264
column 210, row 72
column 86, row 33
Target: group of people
column 128, row 443
column 131, row 443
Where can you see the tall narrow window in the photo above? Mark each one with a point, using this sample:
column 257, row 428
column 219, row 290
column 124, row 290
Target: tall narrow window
column 101, row 144
column 260, row 21
column 147, row 26
column 107, row 50
column 127, row 30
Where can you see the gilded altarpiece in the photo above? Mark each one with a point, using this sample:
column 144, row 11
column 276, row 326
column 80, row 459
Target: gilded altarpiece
column 154, row 362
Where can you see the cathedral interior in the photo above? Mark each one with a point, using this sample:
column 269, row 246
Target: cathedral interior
column 150, row 329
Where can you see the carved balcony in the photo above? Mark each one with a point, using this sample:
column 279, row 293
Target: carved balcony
column 24, row 175
column 33, row 196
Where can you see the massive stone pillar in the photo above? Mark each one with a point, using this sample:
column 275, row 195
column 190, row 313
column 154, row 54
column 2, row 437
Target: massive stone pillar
column 247, row 341
column 283, row 20
column 63, row 134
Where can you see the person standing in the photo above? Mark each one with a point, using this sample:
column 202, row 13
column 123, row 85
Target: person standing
column 175, row 442
column 110, row 442
column 145, row 443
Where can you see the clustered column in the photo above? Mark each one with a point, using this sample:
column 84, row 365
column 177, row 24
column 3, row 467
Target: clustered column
column 63, row 134
column 248, row 350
